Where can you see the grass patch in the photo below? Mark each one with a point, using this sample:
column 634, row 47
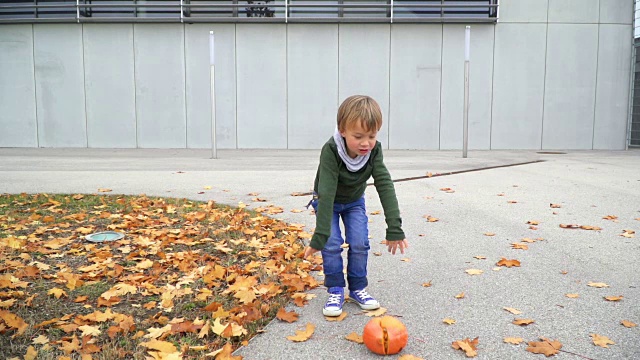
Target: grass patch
column 184, row 272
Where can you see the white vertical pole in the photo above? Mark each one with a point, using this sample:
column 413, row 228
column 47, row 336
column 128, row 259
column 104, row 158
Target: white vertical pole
column 212, row 74
column 465, row 121
column 78, row 10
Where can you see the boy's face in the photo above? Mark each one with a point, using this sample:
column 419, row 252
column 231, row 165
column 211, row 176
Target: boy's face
column 358, row 140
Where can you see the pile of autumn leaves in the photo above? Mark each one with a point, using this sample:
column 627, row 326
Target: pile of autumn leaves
column 237, row 269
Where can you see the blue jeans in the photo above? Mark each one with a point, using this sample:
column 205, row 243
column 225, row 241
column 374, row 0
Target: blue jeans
column 354, row 218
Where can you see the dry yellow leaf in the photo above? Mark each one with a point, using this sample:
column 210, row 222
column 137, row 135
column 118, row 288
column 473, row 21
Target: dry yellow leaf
column 555, row 206
column 489, row 234
column 89, row 330
column 546, row 347
column 355, row 338
column 303, row 335
column 337, row 318
column 520, row 246
column 374, row 313
column 533, row 222
column 104, row 190
column 377, row 253
column 460, row 296
column 57, row 292
column 40, row 340
column 31, row 354
column 377, row 212
column 513, row 311
column 597, row 285
column 480, row 257
column 613, row 298
column 448, row 321
column 405, row 259
column 513, row 340
column 159, row 345
column 427, row 284
column 523, row 322
column 572, row 296
column 466, row 345
column 601, row 341
column 474, row 271
column 409, row 357
column 508, row 263
column 628, row 323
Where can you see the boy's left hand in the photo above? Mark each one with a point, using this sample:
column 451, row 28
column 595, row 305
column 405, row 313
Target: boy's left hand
column 308, row 251
column 394, row 245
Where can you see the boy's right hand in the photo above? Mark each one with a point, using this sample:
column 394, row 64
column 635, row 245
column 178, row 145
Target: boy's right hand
column 309, row 251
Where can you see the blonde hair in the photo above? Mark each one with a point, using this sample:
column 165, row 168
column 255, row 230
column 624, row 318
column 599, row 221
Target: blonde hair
column 362, row 109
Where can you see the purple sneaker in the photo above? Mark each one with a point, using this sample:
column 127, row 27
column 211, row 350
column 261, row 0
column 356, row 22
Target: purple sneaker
column 362, row 298
column 333, row 306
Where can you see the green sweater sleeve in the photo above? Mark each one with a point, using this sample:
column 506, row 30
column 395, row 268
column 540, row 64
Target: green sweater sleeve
column 387, row 193
column 327, row 185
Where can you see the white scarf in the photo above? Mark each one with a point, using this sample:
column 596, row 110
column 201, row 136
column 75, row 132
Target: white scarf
column 353, row 164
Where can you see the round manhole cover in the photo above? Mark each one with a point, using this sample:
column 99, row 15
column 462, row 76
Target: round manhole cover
column 552, row 152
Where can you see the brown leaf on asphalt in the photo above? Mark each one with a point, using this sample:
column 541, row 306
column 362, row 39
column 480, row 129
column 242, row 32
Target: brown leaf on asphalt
column 377, row 253
column 253, row 194
column 572, row 296
column 297, row 194
column 460, row 296
column 555, row 206
column 628, row 323
column 295, row 211
column 355, row 338
column 480, row 257
column 613, row 298
column 513, row 311
column 303, row 335
column 523, row 322
column 405, row 259
column 501, row 194
column 513, row 340
column 628, row 233
column 520, row 246
column 597, row 285
column 533, row 222
column 512, row 202
column 508, row 263
column 569, row 226
column 375, row 313
column 409, row 357
column 601, row 341
column 610, row 217
column 546, row 347
column 448, row 190
column 427, row 284
column 474, row 271
column 527, row 240
column 589, row 227
column 470, row 347
column 430, row 218
column 564, row 272
column 489, row 234
column 104, row 190
column 288, row 316
column 337, row 318
column 377, row 212
column 448, row 321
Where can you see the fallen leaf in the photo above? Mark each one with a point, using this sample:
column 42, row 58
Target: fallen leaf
column 522, row 322
column 377, row 212
column 546, row 347
column 31, row 354
column 207, row 187
column 628, row 323
column 446, row 189
column 628, row 233
column 589, row 227
column 409, row 357
column 460, row 296
column 466, row 345
column 337, row 318
column 159, row 345
column 533, row 222
column 303, row 335
column 569, row 226
column 512, row 202
column 555, row 206
column 572, row 296
column 601, row 341
column 405, row 259
column 448, row 321
column 355, row 338
column 427, row 284
column 57, row 292
column 284, row 315
column 513, row 311
column 373, row 313
column 480, row 257
column 104, row 190
column 430, row 218
column 513, row 340
column 474, row 271
column 597, row 285
column 613, row 298
column 508, row 263
column 520, row 246
column 489, row 234
column 40, row 340
column 610, row 217
column 377, row 253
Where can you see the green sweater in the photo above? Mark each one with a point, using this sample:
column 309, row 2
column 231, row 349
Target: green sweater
column 335, row 184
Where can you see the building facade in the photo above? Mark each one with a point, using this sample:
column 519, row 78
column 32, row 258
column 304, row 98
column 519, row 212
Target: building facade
column 545, row 74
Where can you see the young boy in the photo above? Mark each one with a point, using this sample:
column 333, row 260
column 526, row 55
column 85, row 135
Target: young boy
column 347, row 161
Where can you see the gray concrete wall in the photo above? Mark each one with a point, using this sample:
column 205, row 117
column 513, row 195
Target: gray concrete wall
column 551, row 74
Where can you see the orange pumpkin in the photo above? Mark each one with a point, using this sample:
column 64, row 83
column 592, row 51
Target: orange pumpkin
column 385, row 335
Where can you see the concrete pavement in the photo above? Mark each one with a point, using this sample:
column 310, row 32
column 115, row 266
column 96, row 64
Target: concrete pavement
column 588, row 185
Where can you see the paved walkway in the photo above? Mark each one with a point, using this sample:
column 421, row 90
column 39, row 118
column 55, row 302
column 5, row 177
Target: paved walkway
column 588, row 185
